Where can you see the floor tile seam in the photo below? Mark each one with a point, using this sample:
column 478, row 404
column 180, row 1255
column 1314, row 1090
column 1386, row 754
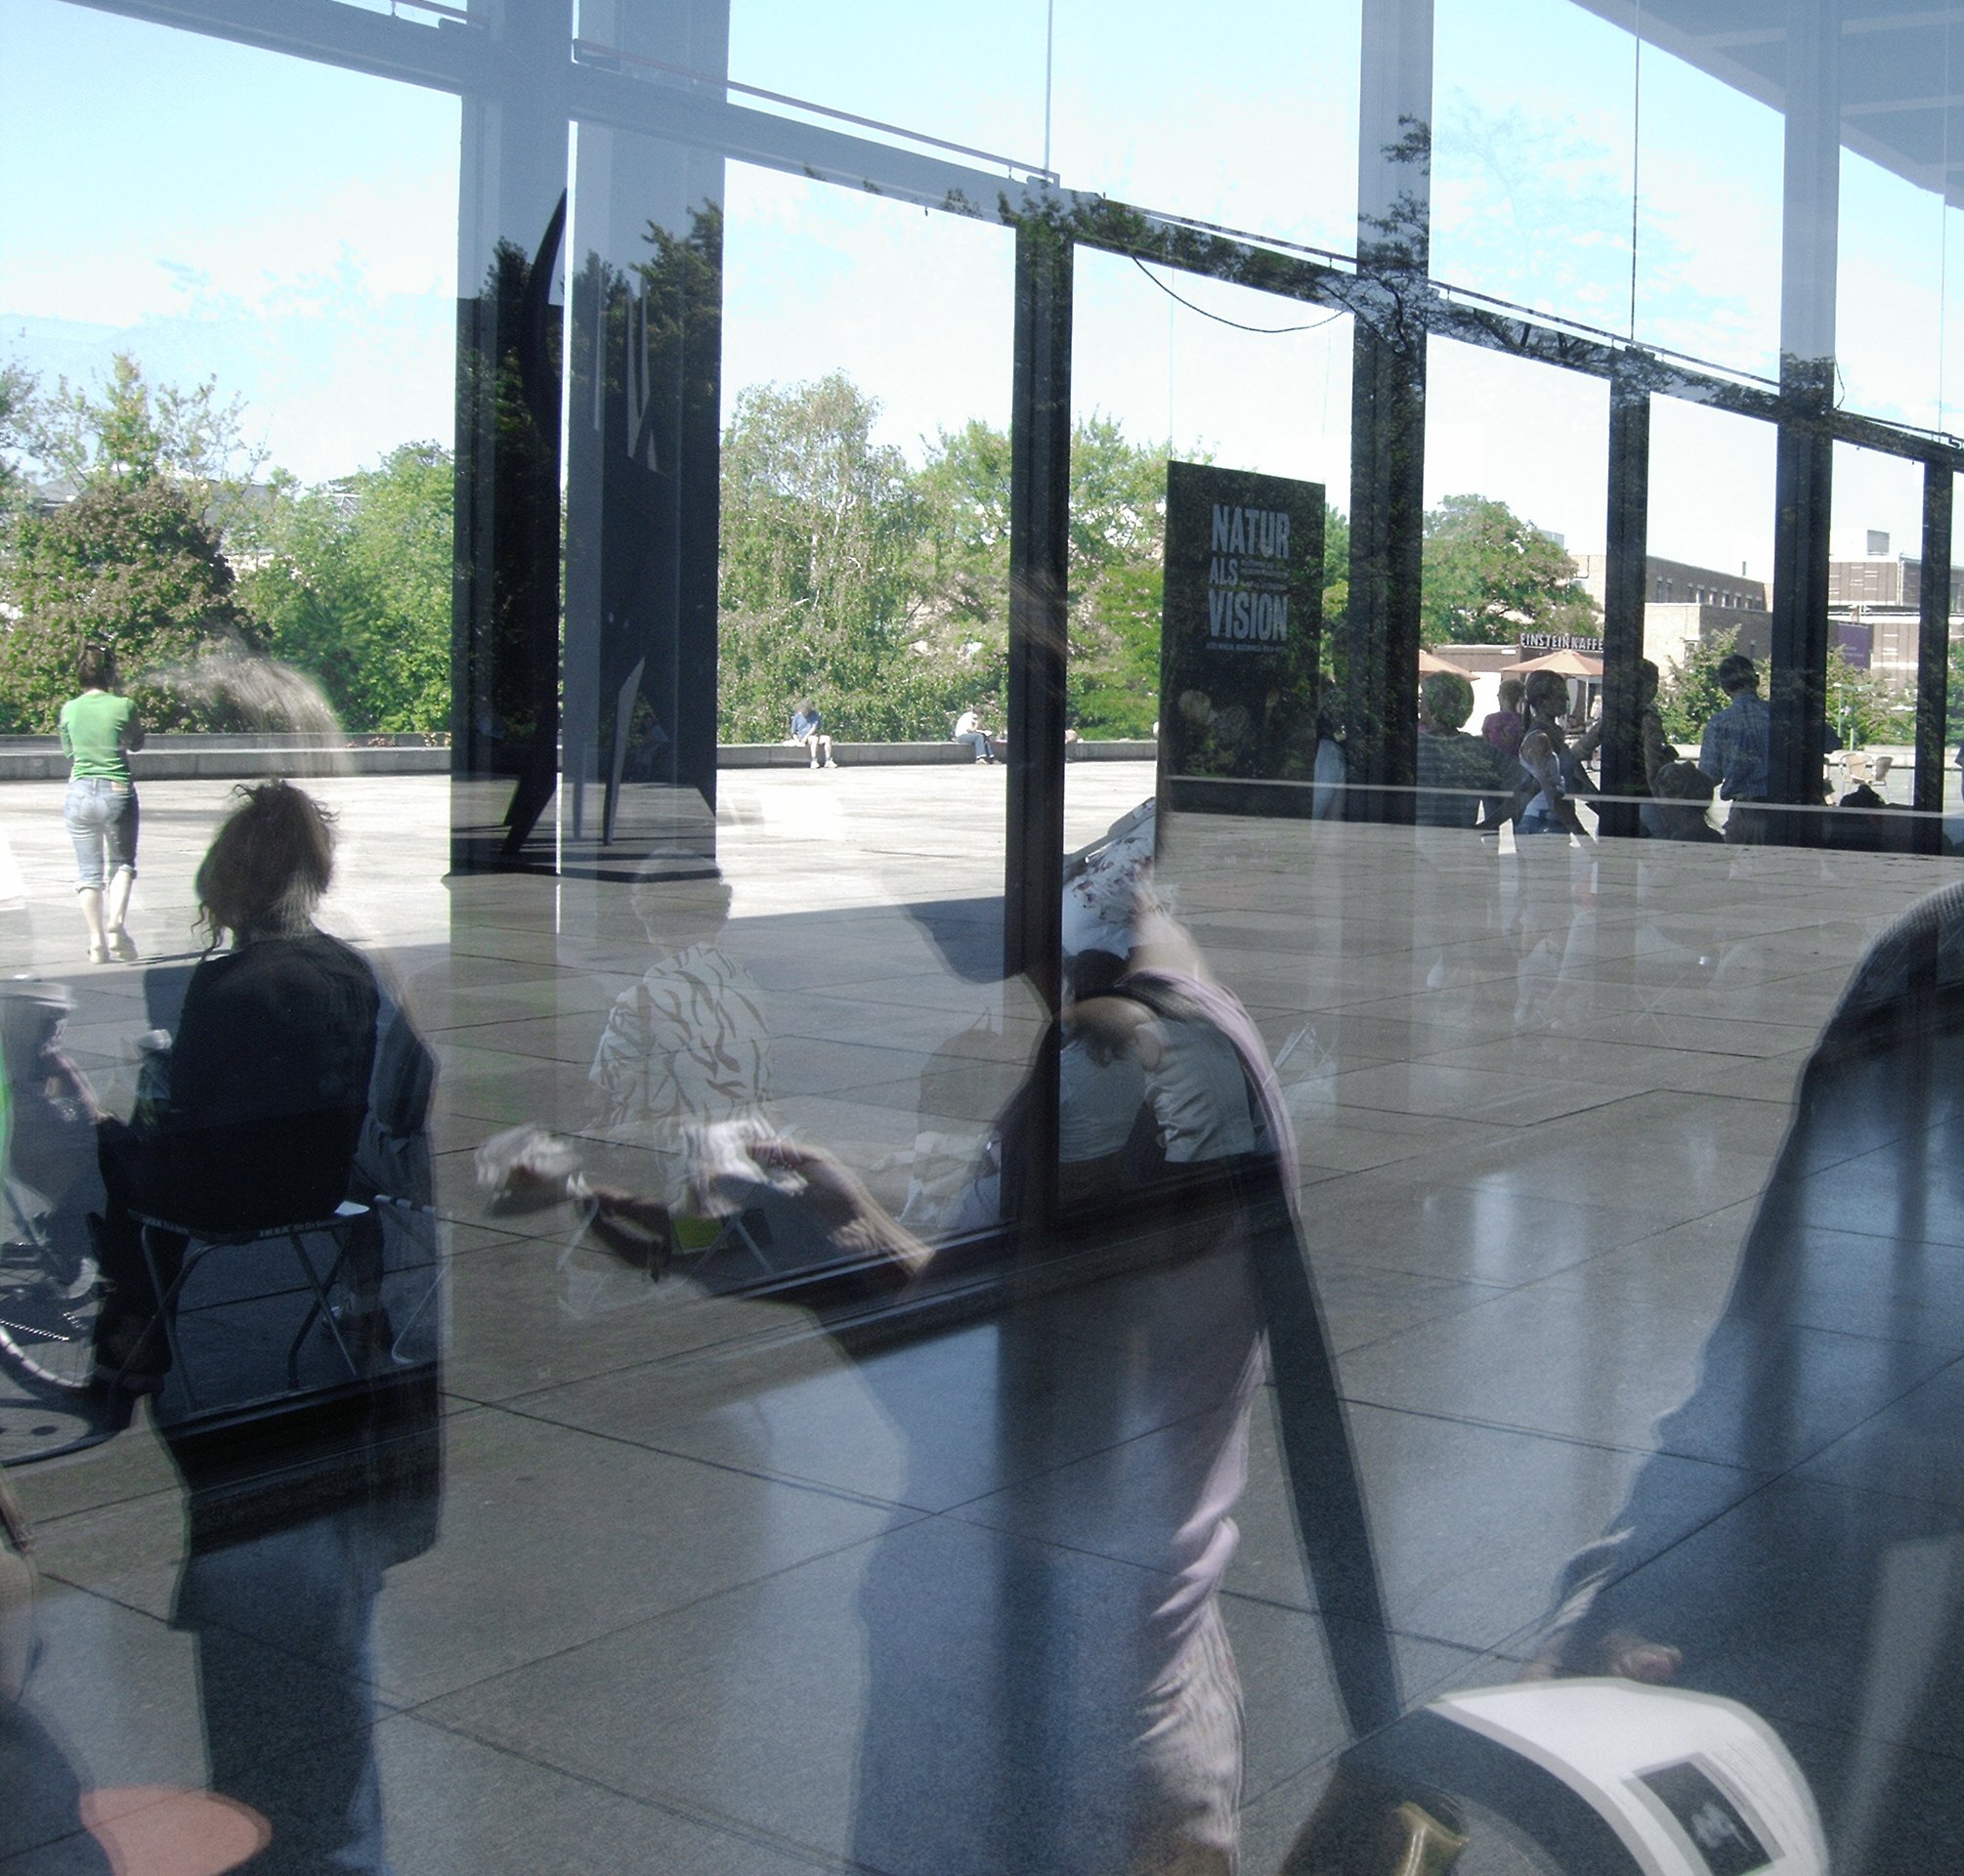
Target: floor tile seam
column 1025, row 1480
column 1728, row 1057
column 1328, row 1264
column 1474, row 1649
column 1953, row 1365
column 909, row 1512
column 48, row 1523
column 378, row 1691
column 1506, row 1293
column 713, row 1337
column 1484, row 1118
column 703, row 1816
column 646, row 1619
column 1541, row 1626
column 954, row 1519
column 1476, row 1182
column 1558, row 1438
column 754, row 1342
column 1252, row 1795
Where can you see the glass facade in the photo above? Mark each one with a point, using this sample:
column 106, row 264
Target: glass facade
column 940, row 942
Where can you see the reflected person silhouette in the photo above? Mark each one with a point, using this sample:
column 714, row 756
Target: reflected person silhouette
column 1113, row 1744
column 687, row 1048
column 294, row 1084
column 1830, row 1600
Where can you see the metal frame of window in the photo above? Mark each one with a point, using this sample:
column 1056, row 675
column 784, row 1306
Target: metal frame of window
column 1391, row 309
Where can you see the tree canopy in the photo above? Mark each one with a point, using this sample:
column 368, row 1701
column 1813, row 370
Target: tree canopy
column 822, row 529
column 874, row 583
column 355, row 588
column 130, row 562
column 1489, row 575
column 135, row 558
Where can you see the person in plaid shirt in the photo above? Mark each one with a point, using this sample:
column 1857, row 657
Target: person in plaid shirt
column 1734, row 752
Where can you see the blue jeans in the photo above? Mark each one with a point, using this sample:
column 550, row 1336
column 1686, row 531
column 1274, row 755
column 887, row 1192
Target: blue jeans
column 102, row 820
column 979, row 743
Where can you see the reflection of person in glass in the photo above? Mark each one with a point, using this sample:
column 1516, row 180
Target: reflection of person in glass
column 687, row 1047
column 1456, row 772
column 1797, row 1542
column 288, row 1068
column 1125, row 1753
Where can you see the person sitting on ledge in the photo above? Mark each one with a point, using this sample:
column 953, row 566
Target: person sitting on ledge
column 808, row 729
column 968, row 729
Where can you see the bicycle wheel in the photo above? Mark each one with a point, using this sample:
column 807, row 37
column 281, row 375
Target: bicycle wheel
column 47, row 1325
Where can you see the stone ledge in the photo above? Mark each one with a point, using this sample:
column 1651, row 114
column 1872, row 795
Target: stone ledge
column 245, row 758
column 186, row 758
column 792, row 756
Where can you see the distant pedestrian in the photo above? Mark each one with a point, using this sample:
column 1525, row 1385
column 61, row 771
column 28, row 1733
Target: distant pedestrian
column 1735, row 749
column 1456, row 772
column 808, row 729
column 100, row 729
column 968, row 729
column 1504, row 727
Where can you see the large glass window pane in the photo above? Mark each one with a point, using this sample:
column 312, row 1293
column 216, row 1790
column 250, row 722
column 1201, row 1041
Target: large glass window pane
column 1532, row 132
column 1516, row 498
column 865, row 570
column 1709, row 156
column 1708, row 580
column 935, row 70
column 1559, row 142
column 1168, row 364
column 1874, row 584
column 1897, row 122
column 1251, row 123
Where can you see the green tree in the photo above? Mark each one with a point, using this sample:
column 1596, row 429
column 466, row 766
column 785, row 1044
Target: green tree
column 19, row 402
column 131, row 561
column 128, row 430
column 1116, row 567
column 356, row 589
column 1688, row 696
column 1864, row 708
column 822, row 530
column 135, row 558
column 1489, row 575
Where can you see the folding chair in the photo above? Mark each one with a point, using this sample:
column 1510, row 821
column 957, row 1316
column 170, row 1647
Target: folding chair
column 201, row 1242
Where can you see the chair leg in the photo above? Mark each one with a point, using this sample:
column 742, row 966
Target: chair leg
column 322, row 1307
column 166, row 1314
column 423, row 1301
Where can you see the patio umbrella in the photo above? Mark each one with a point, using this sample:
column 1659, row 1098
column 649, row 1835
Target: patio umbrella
column 1564, row 664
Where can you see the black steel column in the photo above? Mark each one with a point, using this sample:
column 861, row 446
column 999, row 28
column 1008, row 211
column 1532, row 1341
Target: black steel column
column 1380, row 622
column 1625, row 587
column 1039, row 523
column 1804, row 484
column 505, row 682
column 1805, row 463
column 1933, row 654
column 1387, row 408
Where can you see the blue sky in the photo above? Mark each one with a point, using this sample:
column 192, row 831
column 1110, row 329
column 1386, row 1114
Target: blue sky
column 292, row 230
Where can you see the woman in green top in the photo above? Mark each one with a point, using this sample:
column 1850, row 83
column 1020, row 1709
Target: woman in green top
column 99, row 730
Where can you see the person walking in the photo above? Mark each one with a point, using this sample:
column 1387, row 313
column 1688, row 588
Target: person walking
column 1734, row 749
column 100, row 729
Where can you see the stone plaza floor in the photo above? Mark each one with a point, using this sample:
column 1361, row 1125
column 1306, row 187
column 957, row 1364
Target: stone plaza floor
column 1537, row 1096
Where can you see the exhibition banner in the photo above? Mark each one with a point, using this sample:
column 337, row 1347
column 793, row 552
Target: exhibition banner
column 1242, row 623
